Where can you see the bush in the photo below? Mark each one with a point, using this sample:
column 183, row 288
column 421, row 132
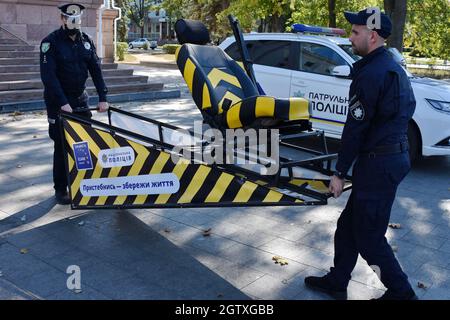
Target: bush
column 122, row 48
column 145, row 46
column 170, row 48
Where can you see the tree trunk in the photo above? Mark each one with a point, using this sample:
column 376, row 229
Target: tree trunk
column 332, row 13
column 396, row 10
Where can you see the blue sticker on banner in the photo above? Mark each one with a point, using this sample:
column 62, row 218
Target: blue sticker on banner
column 82, row 155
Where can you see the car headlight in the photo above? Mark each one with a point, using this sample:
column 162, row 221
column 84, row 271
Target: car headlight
column 440, row 105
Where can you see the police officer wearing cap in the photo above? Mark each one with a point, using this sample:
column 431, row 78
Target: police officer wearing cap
column 381, row 103
column 66, row 56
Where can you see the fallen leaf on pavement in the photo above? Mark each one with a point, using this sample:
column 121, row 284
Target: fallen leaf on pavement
column 421, row 285
column 395, row 225
column 34, row 137
column 16, row 113
column 207, row 232
column 24, row 251
column 279, row 260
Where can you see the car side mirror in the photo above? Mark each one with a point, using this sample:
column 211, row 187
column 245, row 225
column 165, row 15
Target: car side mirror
column 397, row 56
column 341, row 71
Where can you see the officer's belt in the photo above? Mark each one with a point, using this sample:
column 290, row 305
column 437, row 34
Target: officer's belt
column 389, row 149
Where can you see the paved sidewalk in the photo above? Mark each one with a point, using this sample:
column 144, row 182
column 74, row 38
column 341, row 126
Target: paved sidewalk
column 162, row 253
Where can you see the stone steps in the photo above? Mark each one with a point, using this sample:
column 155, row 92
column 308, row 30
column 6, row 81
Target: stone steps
column 37, row 83
column 11, row 41
column 37, row 75
column 93, row 100
column 36, row 94
column 21, row 88
column 19, row 61
column 36, row 68
column 15, row 47
column 19, row 54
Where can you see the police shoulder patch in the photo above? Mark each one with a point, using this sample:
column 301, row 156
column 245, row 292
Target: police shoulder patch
column 357, row 111
column 45, row 46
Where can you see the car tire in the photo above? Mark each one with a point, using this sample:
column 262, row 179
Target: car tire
column 414, row 140
column 131, row 46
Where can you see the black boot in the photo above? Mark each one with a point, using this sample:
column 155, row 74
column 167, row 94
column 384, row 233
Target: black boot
column 325, row 285
column 62, row 197
column 391, row 295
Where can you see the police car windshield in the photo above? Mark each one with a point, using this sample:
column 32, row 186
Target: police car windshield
column 348, row 48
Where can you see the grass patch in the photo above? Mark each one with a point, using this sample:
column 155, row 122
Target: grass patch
column 129, row 58
column 431, row 73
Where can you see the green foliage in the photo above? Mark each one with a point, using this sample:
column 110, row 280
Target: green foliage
column 145, row 46
column 137, row 11
column 426, row 29
column 170, row 48
column 122, row 25
column 316, row 12
column 122, row 48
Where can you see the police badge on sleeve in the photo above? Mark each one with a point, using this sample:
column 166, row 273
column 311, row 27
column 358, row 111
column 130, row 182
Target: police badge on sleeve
column 45, row 46
column 357, row 111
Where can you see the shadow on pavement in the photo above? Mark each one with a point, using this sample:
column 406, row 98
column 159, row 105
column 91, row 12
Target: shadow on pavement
column 119, row 256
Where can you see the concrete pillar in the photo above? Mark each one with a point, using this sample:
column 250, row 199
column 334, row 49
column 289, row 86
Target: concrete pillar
column 108, row 34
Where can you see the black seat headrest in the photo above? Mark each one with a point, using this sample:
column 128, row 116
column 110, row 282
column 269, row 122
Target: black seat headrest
column 191, row 31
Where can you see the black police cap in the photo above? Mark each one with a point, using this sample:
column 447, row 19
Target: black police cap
column 360, row 18
column 69, row 10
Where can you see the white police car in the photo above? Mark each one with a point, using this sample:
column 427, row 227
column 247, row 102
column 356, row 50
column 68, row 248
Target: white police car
column 317, row 67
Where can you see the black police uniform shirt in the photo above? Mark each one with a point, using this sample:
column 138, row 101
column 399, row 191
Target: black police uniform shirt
column 64, row 69
column 381, row 103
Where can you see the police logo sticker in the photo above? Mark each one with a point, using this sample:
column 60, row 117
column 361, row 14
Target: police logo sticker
column 116, row 157
column 87, row 45
column 82, row 155
column 45, row 47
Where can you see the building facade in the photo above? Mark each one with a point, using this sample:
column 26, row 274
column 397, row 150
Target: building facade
column 32, row 20
column 157, row 26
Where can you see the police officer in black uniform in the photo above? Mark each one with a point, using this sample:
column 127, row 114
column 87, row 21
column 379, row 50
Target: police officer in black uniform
column 381, row 103
column 67, row 55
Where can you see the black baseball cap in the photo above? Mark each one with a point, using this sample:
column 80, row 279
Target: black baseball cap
column 361, row 17
column 71, row 9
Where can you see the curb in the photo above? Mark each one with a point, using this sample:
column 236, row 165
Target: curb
column 113, row 98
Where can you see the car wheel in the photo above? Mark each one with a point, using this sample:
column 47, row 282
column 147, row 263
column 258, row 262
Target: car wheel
column 414, row 140
column 131, row 46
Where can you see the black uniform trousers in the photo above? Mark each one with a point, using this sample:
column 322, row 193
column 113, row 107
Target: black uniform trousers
column 79, row 106
column 362, row 225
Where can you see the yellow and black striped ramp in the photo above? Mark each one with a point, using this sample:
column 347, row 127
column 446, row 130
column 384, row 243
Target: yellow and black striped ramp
column 106, row 171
